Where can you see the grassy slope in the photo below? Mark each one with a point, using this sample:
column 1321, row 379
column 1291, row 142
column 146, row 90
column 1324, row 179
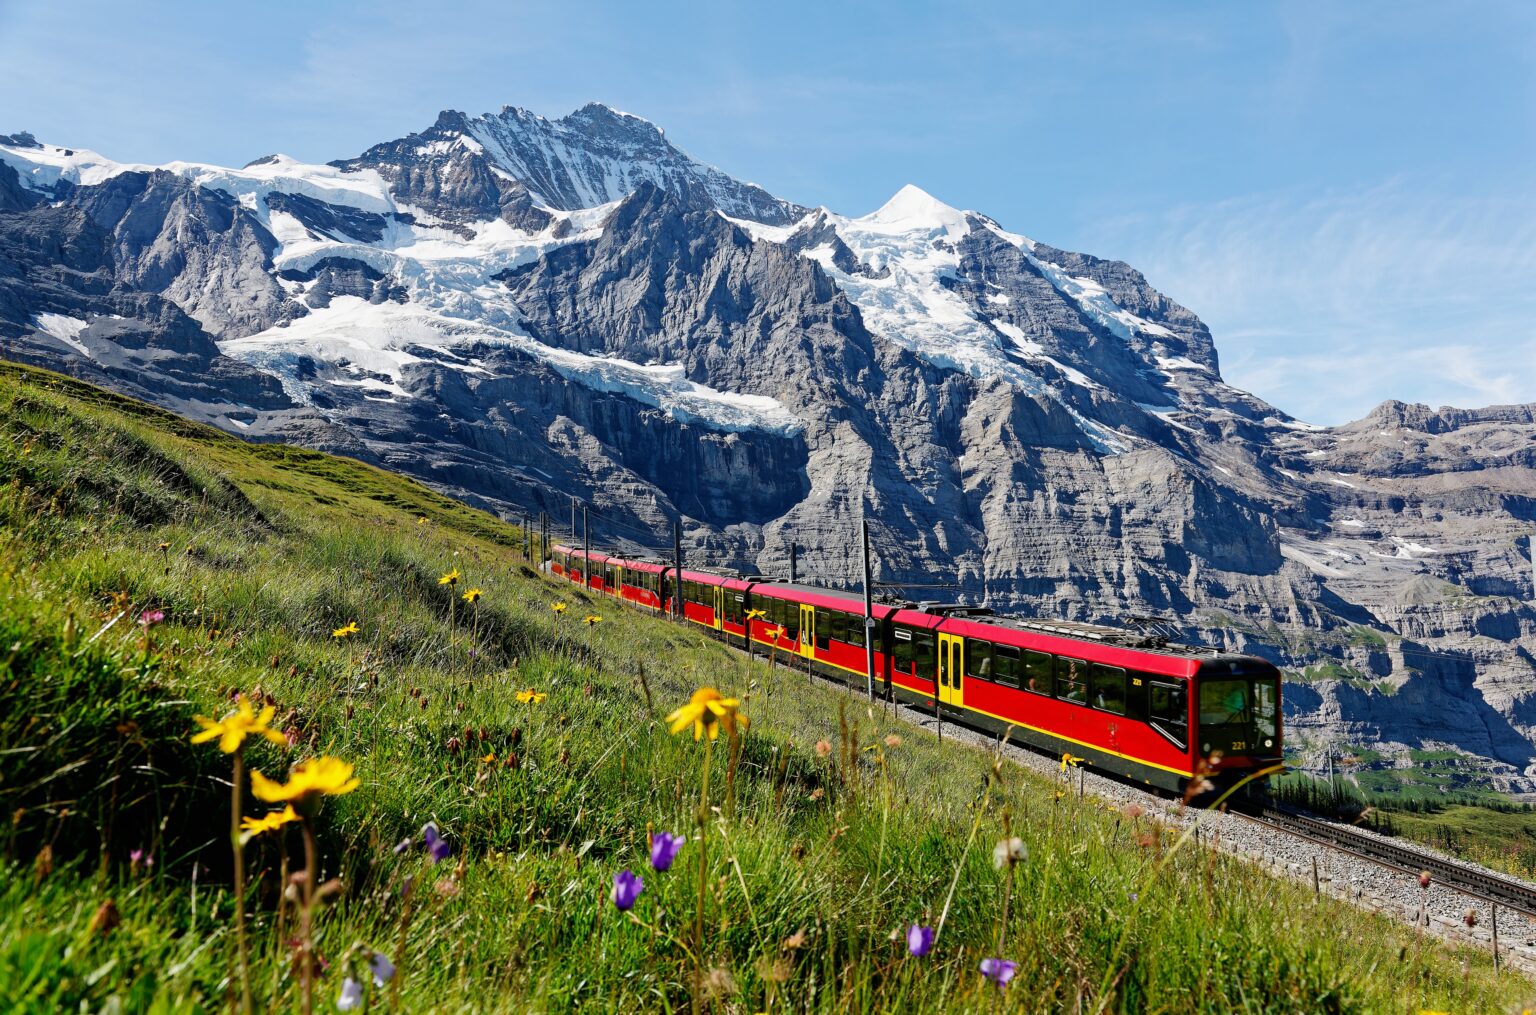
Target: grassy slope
column 1502, row 840
column 271, row 548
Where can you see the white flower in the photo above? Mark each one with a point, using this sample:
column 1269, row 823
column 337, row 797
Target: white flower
column 1009, row 852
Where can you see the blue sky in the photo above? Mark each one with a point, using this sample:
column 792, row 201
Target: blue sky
column 1345, row 192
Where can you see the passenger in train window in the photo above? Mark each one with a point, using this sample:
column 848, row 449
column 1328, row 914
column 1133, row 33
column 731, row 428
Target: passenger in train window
column 1073, row 685
column 1038, row 676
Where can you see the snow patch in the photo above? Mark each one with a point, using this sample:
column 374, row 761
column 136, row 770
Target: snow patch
column 65, row 329
column 384, row 341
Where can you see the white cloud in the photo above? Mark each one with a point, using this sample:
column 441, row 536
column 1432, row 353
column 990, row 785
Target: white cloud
column 1328, row 304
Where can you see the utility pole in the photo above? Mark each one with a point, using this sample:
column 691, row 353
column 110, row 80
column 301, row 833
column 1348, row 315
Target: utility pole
column 677, row 570
column 543, row 538
column 573, row 519
column 586, row 549
column 793, row 570
column 526, row 556
column 869, row 617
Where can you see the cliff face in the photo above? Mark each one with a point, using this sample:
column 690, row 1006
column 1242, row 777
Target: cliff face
column 522, row 310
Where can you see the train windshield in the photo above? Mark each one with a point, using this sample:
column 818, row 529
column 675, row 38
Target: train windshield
column 1239, row 714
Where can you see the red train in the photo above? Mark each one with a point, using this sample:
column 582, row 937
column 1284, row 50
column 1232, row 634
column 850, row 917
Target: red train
column 1121, row 701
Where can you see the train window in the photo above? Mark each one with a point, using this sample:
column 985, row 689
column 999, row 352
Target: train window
column 856, row 630
column 901, row 650
column 1109, row 688
column 1072, row 680
column 924, row 654
column 823, row 627
column 1005, row 664
column 1039, row 673
column 839, row 630
column 978, row 659
column 1169, row 711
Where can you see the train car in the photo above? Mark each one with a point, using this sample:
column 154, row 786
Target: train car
column 1160, row 714
column 641, row 582
column 572, row 563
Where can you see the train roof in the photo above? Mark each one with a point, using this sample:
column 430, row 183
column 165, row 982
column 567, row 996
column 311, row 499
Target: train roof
column 815, row 595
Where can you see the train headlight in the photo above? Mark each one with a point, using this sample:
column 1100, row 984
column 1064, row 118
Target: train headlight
column 1206, row 748
column 1269, row 743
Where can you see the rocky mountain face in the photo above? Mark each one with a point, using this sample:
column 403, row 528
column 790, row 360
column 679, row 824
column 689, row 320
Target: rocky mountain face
column 521, row 311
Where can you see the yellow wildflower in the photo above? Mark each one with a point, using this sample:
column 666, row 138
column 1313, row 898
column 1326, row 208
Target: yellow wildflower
column 232, row 730
column 756, row 614
column 269, row 822
column 422, row 520
column 708, row 710
column 592, row 618
column 347, row 631
column 451, row 578
column 472, row 596
column 317, row 777
column 1070, row 759
column 489, row 759
column 530, row 696
column 557, row 607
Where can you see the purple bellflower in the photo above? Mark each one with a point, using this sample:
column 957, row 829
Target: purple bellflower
column 999, row 971
column 664, row 847
column 626, row 889
column 436, row 845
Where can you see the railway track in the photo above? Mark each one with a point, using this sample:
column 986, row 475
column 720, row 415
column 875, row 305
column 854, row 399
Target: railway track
column 1469, row 880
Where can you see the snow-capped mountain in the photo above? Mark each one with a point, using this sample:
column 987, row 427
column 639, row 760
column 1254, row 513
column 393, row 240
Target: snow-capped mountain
column 518, row 309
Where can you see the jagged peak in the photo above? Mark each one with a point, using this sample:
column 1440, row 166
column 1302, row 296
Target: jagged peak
column 603, row 111
column 912, row 208
column 590, row 114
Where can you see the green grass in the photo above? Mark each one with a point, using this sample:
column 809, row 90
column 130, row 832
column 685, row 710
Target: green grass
column 818, row 863
column 1503, row 840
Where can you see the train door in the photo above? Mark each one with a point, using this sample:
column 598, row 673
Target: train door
column 808, row 631
column 719, row 606
column 951, row 670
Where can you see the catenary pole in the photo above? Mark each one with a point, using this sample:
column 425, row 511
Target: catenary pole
column 794, row 571
column 586, row 549
column 869, row 617
column 677, row 570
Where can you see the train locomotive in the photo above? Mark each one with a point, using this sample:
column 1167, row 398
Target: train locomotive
column 1167, row 715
